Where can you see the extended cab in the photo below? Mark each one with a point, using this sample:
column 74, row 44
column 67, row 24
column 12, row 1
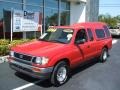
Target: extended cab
column 60, row 49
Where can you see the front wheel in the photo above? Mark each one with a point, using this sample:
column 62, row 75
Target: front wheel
column 60, row 74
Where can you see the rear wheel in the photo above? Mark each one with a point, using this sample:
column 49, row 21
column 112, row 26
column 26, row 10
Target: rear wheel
column 60, row 74
column 104, row 55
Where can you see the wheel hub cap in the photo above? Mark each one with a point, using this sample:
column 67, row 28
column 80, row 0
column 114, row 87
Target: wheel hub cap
column 61, row 74
column 105, row 56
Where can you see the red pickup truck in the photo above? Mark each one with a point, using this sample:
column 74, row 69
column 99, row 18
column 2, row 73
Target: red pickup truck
column 60, row 49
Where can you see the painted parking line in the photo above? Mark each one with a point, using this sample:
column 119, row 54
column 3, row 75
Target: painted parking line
column 27, row 85
column 114, row 41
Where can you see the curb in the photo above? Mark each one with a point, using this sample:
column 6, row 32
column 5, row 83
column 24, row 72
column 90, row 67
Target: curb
column 3, row 59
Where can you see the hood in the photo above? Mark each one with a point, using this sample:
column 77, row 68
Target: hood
column 39, row 48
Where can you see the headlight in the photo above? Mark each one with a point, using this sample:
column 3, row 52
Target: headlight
column 11, row 53
column 38, row 60
column 41, row 60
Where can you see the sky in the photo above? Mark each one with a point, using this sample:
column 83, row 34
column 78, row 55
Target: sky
column 111, row 7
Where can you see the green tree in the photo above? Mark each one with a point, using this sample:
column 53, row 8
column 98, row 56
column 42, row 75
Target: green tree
column 111, row 21
column 117, row 18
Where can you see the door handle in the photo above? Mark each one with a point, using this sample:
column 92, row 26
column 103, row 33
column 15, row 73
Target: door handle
column 88, row 46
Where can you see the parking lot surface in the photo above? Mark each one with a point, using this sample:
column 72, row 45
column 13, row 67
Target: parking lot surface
column 92, row 76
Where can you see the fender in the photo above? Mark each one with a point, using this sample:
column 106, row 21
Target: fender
column 58, row 57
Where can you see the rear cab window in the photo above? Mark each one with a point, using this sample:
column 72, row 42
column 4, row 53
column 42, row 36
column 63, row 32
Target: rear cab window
column 100, row 33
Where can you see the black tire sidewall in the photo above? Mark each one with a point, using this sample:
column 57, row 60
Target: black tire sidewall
column 54, row 80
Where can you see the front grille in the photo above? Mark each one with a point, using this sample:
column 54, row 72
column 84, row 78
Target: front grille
column 22, row 56
column 22, row 61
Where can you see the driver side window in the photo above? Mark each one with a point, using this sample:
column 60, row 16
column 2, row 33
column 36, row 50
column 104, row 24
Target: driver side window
column 81, row 36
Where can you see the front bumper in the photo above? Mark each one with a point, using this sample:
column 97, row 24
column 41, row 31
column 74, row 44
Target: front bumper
column 44, row 73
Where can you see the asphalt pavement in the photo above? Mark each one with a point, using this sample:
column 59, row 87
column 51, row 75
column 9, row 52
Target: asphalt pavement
column 92, row 76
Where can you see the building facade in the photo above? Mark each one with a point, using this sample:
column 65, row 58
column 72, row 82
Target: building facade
column 55, row 12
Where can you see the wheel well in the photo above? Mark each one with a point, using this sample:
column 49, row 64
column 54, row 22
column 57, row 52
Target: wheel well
column 105, row 47
column 65, row 60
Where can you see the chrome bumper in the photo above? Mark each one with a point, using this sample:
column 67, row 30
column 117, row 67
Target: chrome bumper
column 115, row 33
column 27, row 69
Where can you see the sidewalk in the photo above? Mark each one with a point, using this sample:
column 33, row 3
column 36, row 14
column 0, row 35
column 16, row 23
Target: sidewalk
column 3, row 59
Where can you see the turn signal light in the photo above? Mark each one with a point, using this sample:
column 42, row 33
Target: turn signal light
column 36, row 69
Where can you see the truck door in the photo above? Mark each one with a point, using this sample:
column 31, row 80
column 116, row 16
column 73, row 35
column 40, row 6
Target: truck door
column 83, row 45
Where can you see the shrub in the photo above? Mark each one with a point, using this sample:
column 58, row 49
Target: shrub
column 5, row 45
column 4, row 50
column 4, row 42
column 17, row 42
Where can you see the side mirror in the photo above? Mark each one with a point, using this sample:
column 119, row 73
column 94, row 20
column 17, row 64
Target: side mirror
column 80, row 41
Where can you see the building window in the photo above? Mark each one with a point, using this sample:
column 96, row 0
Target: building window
column 17, row 1
column 33, row 8
column 34, row 5
column 34, row 2
column 8, row 5
column 100, row 33
column 65, row 5
column 51, row 17
column 64, row 12
column 65, row 18
column 51, row 3
column 51, row 13
column 5, row 13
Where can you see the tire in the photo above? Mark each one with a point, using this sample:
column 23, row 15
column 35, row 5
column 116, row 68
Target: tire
column 104, row 55
column 60, row 74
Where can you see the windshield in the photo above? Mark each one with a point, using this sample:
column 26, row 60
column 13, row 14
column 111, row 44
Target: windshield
column 57, row 35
